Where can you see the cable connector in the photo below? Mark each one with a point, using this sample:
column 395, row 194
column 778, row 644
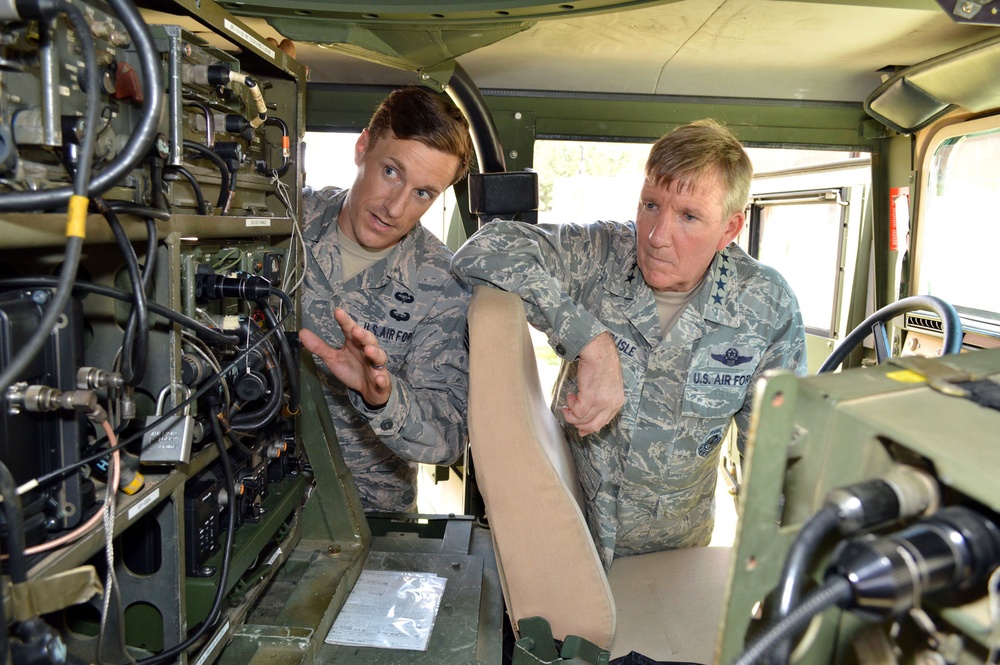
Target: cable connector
column 94, row 378
column 902, row 493
column 952, row 552
column 40, row 399
column 217, row 74
column 212, row 286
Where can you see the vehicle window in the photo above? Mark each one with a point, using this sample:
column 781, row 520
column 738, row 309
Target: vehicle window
column 957, row 231
column 803, row 242
column 585, row 181
column 329, row 161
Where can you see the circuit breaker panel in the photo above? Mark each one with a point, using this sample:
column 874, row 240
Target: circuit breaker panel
column 150, row 183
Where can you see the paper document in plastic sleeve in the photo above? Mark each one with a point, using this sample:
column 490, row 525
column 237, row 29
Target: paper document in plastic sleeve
column 390, row 610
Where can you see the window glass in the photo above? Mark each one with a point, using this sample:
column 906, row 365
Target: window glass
column 585, row 181
column 329, row 161
column 958, row 231
column 803, row 243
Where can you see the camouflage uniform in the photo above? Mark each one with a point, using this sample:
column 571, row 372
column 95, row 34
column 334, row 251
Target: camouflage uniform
column 418, row 313
column 649, row 476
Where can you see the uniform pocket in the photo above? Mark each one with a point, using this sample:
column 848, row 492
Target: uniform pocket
column 707, row 401
column 685, row 518
column 718, row 380
column 636, row 514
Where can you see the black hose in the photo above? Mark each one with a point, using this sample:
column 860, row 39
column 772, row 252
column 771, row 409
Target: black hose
column 198, row 327
column 232, row 187
column 291, row 364
column 135, row 338
column 152, row 243
column 81, row 181
column 150, row 216
column 949, row 318
column 226, row 176
column 156, row 165
column 15, row 527
column 198, row 194
column 129, row 208
column 796, row 569
column 139, row 141
column 834, row 591
column 269, row 410
column 227, row 552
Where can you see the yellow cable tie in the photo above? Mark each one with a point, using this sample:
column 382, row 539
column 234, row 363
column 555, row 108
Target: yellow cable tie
column 76, row 218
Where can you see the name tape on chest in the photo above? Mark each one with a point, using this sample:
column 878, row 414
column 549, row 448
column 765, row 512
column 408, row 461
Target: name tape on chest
column 724, row 366
column 387, row 333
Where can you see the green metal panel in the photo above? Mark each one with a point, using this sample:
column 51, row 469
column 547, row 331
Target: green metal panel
column 819, row 433
column 413, row 48
column 758, row 122
column 335, row 513
column 250, row 542
column 441, row 12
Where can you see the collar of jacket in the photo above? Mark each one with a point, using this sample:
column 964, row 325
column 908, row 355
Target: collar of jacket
column 378, row 274
column 717, row 300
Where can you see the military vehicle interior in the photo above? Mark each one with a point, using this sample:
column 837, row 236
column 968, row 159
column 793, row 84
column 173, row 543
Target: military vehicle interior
column 152, row 162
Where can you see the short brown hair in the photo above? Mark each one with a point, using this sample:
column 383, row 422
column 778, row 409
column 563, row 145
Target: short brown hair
column 416, row 114
column 699, row 148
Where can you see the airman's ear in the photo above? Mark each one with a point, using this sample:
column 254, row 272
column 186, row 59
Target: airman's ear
column 360, row 147
column 732, row 229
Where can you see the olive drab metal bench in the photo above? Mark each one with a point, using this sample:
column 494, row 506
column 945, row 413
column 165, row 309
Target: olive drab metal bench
column 665, row 605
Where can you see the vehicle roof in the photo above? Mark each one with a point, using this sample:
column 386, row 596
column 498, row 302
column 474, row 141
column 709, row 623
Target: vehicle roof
column 823, row 51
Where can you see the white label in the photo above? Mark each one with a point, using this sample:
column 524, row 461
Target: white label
column 142, row 505
column 258, row 221
column 237, row 30
column 210, row 647
column 64, row 91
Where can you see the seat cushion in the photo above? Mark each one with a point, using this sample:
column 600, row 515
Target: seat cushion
column 547, row 558
column 669, row 604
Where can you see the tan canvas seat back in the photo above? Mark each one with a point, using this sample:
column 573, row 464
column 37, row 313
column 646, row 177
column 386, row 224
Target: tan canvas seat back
column 549, row 565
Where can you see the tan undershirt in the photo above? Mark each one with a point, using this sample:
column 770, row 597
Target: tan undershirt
column 354, row 258
column 670, row 304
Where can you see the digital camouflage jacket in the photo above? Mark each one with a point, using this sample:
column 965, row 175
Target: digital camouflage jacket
column 649, row 477
column 418, row 313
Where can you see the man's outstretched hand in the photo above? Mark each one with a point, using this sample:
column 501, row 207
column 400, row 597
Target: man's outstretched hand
column 359, row 364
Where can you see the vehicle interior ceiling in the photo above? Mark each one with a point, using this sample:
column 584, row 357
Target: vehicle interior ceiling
column 859, row 75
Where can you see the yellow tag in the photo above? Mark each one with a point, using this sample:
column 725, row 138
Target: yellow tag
column 906, row 376
column 76, row 218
